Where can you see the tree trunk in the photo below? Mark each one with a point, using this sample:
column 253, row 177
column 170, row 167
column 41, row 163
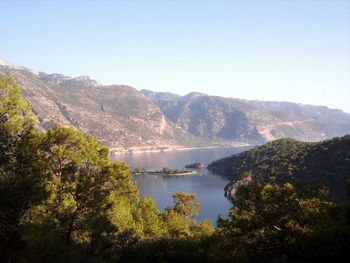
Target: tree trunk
column 70, row 228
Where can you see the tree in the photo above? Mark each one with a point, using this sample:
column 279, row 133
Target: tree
column 83, row 186
column 149, row 220
column 268, row 222
column 180, row 218
column 63, row 200
column 21, row 173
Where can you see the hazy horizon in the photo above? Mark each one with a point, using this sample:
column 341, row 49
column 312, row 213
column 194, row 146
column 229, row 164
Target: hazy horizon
column 256, row 50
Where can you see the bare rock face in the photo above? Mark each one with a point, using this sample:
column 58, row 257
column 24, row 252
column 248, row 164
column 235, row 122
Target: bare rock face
column 302, row 122
column 232, row 187
column 124, row 118
column 119, row 116
column 252, row 122
column 210, row 116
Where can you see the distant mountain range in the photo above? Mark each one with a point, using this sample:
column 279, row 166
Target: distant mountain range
column 250, row 121
column 124, row 118
column 119, row 116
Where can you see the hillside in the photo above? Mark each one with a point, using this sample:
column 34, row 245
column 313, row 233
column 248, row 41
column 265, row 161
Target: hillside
column 118, row 115
column 124, row 118
column 212, row 116
column 288, row 160
column 313, row 122
column 250, row 121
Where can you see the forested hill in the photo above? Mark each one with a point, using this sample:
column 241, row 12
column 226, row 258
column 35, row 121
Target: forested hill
column 288, row 160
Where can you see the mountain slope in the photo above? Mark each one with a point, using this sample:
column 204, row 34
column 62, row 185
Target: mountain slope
column 251, row 121
column 119, row 116
column 313, row 122
column 159, row 96
column 212, row 116
column 123, row 118
column 288, row 160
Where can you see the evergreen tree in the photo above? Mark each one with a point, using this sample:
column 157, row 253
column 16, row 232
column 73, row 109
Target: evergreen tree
column 180, row 219
column 21, row 173
column 83, row 186
column 268, row 223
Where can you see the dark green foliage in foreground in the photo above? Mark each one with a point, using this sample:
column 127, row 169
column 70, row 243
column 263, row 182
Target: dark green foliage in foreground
column 271, row 223
column 167, row 250
column 63, row 200
column 268, row 223
column 21, row 176
column 287, row 160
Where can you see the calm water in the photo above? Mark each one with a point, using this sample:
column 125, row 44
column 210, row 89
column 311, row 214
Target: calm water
column 208, row 186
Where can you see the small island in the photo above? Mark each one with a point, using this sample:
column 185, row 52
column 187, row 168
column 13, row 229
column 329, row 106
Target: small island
column 164, row 171
column 197, row 166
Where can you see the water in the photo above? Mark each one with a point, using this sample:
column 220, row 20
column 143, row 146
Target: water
column 208, row 186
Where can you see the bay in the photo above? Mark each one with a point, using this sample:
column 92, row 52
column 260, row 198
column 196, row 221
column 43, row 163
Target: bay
column 208, row 186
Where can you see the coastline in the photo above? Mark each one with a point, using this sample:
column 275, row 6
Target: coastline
column 170, row 174
column 142, row 150
column 182, row 174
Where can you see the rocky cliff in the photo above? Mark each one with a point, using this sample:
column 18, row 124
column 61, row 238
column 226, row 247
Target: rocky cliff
column 119, row 116
column 250, row 121
column 124, row 118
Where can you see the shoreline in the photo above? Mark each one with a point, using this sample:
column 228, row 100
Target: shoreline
column 115, row 151
column 165, row 174
column 182, row 174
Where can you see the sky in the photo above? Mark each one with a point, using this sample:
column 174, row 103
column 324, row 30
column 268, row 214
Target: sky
column 296, row 51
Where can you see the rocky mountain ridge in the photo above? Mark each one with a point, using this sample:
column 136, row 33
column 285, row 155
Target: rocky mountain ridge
column 254, row 122
column 118, row 115
column 124, row 119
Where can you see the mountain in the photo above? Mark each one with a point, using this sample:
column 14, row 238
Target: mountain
column 211, row 116
column 124, row 118
column 254, row 122
column 159, row 96
column 118, row 115
column 314, row 122
column 289, row 160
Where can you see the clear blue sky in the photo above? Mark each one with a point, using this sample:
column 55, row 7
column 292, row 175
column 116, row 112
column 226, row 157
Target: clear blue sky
column 269, row 50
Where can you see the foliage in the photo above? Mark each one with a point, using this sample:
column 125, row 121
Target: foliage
column 268, row 221
column 287, row 160
column 20, row 166
column 166, row 250
column 180, row 221
column 82, row 185
column 149, row 219
column 63, row 200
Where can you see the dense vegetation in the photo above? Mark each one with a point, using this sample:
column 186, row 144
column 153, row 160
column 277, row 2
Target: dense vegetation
column 287, row 160
column 63, row 200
